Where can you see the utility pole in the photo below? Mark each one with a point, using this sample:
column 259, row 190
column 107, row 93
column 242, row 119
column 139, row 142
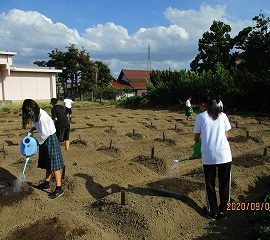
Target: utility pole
column 96, row 76
column 148, row 58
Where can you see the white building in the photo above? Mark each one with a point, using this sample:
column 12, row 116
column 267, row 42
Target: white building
column 18, row 83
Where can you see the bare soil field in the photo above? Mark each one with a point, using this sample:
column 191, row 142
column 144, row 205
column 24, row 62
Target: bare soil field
column 121, row 181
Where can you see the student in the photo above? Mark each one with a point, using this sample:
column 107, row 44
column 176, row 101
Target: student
column 212, row 126
column 50, row 156
column 188, row 108
column 219, row 103
column 61, row 122
column 68, row 105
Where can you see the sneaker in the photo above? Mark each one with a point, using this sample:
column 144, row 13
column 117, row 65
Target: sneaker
column 222, row 215
column 211, row 216
column 44, row 186
column 56, row 193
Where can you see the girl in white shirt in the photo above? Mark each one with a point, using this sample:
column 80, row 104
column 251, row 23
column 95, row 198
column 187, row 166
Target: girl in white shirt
column 68, row 106
column 189, row 110
column 50, row 156
column 211, row 126
column 220, row 104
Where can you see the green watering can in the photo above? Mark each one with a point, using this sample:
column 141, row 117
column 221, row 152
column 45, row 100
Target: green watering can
column 197, row 154
column 190, row 111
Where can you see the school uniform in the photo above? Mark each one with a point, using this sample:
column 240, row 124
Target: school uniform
column 188, row 106
column 216, row 157
column 220, row 105
column 62, row 124
column 68, row 105
column 50, row 156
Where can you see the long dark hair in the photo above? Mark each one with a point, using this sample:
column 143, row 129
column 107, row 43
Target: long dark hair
column 27, row 116
column 212, row 108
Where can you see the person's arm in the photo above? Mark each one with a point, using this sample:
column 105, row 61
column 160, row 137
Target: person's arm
column 197, row 137
column 197, row 129
column 227, row 126
column 54, row 115
column 54, row 119
column 32, row 130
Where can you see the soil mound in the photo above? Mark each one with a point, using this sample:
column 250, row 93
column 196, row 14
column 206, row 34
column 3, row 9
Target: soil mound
column 47, row 229
column 153, row 163
column 125, row 221
column 12, row 189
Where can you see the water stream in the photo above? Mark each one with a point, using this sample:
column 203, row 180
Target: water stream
column 19, row 186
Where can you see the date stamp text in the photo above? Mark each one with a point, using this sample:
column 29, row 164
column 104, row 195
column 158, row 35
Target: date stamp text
column 248, row 206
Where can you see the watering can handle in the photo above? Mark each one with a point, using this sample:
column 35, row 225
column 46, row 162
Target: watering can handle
column 29, row 134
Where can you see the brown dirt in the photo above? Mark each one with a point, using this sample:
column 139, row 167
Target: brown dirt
column 115, row 188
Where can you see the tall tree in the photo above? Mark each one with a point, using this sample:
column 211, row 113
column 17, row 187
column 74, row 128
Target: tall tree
column 104, row 73
column 254, row 43
column 214, row 47
column 87, row 73
column 72, row 67
column 80, row 74
column 57, row 60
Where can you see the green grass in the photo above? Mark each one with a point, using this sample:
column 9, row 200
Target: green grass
column 16, row 107
column 6, row 109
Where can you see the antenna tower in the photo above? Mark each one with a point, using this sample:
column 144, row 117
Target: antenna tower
column 148, row 58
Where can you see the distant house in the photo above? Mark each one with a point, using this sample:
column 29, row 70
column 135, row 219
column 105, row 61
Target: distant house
column 19, row 83
column 132, row 79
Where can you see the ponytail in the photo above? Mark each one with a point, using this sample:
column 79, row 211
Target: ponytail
column 213, row 109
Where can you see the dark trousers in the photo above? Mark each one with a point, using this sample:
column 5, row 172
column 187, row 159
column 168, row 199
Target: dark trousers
column 224, row 179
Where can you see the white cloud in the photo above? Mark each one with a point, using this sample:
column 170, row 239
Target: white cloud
column 109, row 37
column 198, row 22
column 32, row 30
column 33, row 35
column 160, row 37
column 195, row 23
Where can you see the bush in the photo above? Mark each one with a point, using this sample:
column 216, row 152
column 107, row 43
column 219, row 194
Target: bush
column 132, row 102
column 5, row 109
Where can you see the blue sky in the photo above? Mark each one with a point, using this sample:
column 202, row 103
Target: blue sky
column 118, row 32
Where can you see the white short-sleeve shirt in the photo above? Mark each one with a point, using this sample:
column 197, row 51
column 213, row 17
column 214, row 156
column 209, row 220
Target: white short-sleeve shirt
column 45, row 126
column 215, row 146
column 68, row 103
column 188, row 103
column 220, row 105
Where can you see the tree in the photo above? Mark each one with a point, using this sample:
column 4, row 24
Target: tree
column 104, row 73
column 103, row 77
column 80, row 74
column 57, row 60
column 214, row 47
column 254, row 43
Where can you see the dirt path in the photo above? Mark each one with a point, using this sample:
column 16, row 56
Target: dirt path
column 119, row 152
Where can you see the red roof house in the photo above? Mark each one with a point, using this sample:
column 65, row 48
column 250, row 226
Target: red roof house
column 134, row 79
